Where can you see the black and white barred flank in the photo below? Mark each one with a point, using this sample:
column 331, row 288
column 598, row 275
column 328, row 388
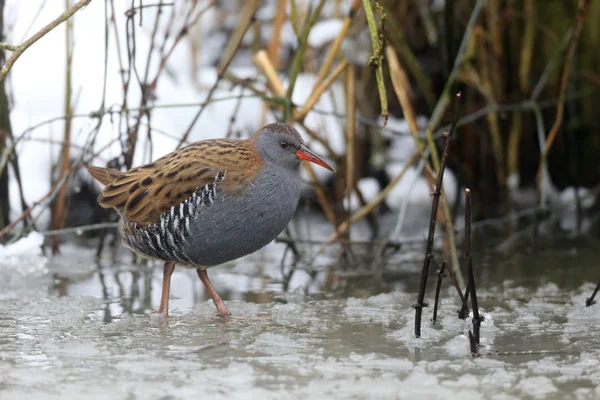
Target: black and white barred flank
column 167, row 239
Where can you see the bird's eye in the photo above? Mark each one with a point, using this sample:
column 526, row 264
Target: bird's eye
column 283, row 145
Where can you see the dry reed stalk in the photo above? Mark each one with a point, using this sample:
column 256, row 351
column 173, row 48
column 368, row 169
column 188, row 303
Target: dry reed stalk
column 350, row 133
column 527, row 47
column 582, row 10
column 262, row 61
column 495, row 30
column 275, row 43
column 60, row 205
column 5, row 134
column 376, row 60
column 444, row 99
column 513, row 147
column 337, row 43
column 318, row 92
column 403, row 90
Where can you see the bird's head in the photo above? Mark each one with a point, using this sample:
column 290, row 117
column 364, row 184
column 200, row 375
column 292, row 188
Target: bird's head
column 280, row 144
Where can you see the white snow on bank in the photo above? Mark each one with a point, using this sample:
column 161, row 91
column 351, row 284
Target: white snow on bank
column 29, row 245
column 24, row 255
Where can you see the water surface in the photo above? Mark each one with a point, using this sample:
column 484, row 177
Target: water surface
column 74, row 328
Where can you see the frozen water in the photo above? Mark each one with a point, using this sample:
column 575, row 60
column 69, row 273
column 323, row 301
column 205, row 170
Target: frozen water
column 89, row 330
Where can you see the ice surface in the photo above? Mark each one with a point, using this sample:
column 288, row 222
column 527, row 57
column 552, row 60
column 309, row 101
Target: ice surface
column 83, row 344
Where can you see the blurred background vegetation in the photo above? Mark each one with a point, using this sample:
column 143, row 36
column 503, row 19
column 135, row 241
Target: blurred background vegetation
column 528, row 72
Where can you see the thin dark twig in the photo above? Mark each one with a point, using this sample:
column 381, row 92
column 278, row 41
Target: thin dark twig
column 463, row 313
column 432, row 221
column 470, row 275
column 590, row 302
column 441, row 275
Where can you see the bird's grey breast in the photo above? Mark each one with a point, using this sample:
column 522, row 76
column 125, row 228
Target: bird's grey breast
column 234, row 225
column 169, row 238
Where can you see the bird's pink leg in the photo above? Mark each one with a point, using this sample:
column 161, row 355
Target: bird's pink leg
column 166, row 287
column 222, row 309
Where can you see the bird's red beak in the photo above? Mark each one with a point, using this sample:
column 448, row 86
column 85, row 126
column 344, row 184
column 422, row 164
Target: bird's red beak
column 305, row 154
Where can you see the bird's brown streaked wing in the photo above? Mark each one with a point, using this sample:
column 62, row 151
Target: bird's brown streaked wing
column 143, row 193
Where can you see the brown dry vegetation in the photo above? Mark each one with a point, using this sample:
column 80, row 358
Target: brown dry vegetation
column 528, row 71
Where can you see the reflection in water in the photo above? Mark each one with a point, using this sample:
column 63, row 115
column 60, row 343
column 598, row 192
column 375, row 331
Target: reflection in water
column 335, row 331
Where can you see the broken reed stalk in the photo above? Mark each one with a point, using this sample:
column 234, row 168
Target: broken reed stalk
column 441, row 275
column 470, row 275
column 350, row 136
column 473, row 345
column 590, row 301
column 432, row 222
